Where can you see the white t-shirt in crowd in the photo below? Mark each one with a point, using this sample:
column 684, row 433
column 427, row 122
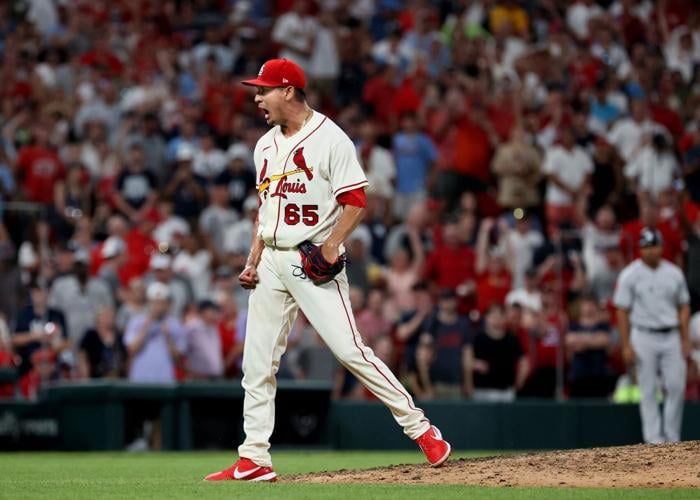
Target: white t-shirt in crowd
column 296, row 33
column 653, row 171
column 627, row 135
column 571, row 167
column 577, row 17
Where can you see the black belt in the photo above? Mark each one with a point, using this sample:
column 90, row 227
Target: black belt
column 663, row 329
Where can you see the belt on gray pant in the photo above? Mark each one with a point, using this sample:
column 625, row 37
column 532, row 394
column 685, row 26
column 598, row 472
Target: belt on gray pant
column 663, row 329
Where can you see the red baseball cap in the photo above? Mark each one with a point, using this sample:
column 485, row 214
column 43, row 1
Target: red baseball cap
column 279, row 73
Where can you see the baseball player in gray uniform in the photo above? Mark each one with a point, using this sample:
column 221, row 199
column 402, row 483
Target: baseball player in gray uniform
column 653, row 311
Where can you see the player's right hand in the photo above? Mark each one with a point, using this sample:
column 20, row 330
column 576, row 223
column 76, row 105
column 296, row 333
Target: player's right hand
column 249, row 278
column 628, row 354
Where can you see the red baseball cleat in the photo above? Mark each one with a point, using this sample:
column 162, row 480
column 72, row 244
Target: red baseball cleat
column 436, row 449
column 244, row 470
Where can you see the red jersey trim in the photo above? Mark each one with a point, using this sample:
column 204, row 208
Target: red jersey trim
column 279, row 206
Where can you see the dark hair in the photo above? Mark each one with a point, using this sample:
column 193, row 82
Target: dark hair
column 299, row 94
column 659, row 141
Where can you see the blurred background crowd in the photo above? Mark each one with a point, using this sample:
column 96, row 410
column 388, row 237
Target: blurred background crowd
column 514, row 149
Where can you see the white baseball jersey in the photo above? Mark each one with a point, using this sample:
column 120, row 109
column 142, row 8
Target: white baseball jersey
column 299, row 178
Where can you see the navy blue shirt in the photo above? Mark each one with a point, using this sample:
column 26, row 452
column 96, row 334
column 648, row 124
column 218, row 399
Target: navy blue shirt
column 590, row 362
column 449, row 341
column 28, row 321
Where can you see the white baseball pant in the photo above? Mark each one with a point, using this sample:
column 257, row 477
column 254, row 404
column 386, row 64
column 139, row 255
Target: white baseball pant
column 272, row 310
column 658, row 352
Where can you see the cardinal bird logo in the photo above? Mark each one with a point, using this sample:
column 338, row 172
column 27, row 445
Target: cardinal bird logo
column 300, row 162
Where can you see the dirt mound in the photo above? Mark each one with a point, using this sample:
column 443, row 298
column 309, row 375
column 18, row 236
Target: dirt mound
column 655, row 466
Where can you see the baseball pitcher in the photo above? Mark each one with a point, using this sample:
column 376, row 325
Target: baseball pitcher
column 311, row 195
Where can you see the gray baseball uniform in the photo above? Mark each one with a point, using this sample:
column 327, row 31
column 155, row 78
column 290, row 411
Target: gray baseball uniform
column 652, row 297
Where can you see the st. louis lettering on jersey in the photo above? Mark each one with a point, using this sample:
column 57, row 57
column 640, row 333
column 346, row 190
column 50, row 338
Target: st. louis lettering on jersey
column 299, row 179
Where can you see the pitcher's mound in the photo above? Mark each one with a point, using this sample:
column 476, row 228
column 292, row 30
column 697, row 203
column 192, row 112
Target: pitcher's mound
column 655, row 466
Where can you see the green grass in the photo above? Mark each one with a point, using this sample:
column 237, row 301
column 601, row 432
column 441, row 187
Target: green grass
column 155, row 476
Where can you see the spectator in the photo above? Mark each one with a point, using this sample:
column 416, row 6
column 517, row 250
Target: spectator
column 118, row 228
column 452, row 264
column 691, row 228
column 10, row 278
column 528, row 295
column 237, row 236
column 523, row 240
column 155, row 340
column 40, row 166
column 295, row 32
column 359, row 262
column 133, row 304
column 378, row 165
column 209, row 161
column 101, row 351
column 568, row 168
column 215, row 218
column 587, row 342
column 325, row 64
column 443, row 353
column 602, row 284
column 7, row 182
column 493, row 278
column 403, row 274
column 71, row 201
column 203, row 356
column 628, row 134
column 464, row 153
column 135, row 186
column 415, row 154
column 579, row 16
column 180, row 292
column 78, row 297
column 544, row 332
column 171, row 227
column 410, row 323
column 371, row 322
column 518, row 166
column 186, row 189
column 113, row 257
column 39, row 327
column 607, row 180
column 500, row 367
column 239, row 176
column 231, row 344
column 599, row 235
column 193, row 262
column 653, row 169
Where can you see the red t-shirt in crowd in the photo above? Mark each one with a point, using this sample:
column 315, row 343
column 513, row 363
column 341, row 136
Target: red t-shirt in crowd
column 492, row 289
column 449, row 267
column 466, row 150
column 103, row 58
column 379, row 94
column 139, row 247
column 227, row 334
column 41, row 169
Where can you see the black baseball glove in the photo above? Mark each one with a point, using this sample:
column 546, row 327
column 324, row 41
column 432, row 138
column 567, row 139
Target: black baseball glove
column 316, row 267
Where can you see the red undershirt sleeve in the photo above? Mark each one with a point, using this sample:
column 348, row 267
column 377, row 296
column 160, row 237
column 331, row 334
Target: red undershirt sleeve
column 355, row 198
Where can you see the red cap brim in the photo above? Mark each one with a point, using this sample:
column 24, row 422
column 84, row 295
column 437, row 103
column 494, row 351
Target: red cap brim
column 259, row 83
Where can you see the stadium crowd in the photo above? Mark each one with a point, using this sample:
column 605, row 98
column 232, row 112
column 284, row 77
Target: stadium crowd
column 514, row 149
